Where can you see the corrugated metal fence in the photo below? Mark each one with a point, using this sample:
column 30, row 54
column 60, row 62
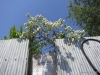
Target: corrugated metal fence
column 70, row 59
column 13, row 56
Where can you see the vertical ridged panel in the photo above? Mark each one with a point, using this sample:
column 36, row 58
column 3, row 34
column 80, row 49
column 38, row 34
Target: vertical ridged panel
column 73, row 61
column 13, row 56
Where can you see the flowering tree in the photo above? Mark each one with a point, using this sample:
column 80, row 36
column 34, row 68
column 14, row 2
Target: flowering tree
column 42, row 32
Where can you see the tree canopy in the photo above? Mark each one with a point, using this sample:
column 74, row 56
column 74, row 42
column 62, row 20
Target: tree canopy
column 42, row 33
column 86, row 15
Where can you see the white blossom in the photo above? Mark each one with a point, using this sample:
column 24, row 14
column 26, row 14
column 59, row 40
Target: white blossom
column 38, row 28
column 38, row 22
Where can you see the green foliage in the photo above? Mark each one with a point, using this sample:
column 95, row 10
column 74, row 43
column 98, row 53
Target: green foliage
column 21, row 29
column 86, row 13
column 5, row 38
column 34, row 47
column 14, row 33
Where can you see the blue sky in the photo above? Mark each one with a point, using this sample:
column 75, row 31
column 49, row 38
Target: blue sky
column 13, row 12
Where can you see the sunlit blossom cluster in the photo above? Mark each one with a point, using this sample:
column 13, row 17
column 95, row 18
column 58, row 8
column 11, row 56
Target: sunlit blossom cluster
column 76, row 34
column 39, row 24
